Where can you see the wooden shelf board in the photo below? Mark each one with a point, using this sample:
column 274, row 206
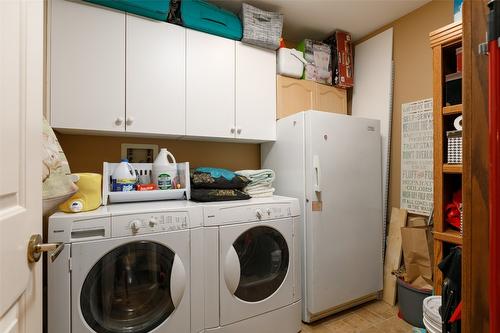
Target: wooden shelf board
column 454, row 109
column 452, row 168
column 449, row 236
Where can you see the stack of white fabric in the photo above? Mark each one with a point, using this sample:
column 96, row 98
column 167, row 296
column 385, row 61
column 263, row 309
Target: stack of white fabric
column 261, row 182
column 432, row 318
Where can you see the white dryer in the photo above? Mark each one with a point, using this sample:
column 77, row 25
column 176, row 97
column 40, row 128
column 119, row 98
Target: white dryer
column 252, row 262
column 127, row 268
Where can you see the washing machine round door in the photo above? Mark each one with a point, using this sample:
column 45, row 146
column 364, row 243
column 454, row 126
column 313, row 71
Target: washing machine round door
column 264, row 258
column 128, row 289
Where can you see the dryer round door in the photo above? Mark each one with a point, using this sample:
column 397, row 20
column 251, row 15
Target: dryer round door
column 131, row 288
column 257, row 264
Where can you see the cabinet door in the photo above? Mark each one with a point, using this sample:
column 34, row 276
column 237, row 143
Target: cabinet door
column 255, row 93
column 330, row 99
column 294, row 96
column 209, row 85
column 87, row 67
column 156, row 79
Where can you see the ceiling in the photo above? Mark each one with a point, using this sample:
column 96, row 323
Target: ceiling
column 316, row 19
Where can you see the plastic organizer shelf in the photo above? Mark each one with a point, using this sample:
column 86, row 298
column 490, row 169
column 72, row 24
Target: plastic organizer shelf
column 110, row 197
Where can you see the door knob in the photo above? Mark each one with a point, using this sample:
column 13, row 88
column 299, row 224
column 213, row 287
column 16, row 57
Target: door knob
column 118, row 121
column 36, row 248
column 130, row 121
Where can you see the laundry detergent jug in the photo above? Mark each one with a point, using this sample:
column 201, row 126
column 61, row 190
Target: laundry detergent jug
column 88, row 196
column 164, row 172
column 124, row 177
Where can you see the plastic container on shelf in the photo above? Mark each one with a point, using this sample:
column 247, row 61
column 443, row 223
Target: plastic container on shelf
column 124, row 177
column 164, row 172
column 182, row 192
column 290, row 62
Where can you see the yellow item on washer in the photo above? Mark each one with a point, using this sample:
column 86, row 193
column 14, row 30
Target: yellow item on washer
column 88, row 196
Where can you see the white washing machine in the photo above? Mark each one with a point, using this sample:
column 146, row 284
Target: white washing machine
column 127, row 268
column 252, row 262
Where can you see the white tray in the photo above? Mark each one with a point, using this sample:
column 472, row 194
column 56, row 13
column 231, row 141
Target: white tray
column 109, row 197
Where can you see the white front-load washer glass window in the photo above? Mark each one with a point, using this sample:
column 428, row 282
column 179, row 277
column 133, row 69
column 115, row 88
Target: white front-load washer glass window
column 128, row 289
column 264, row 257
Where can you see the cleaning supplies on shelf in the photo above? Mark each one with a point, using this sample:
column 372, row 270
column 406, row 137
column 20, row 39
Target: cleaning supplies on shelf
column 124, row 177
column 164, row 172
column 146, row 192
column 88, row 196
column 261, row 181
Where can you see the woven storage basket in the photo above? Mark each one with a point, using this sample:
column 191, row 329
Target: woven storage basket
column 454, row 147
column 261, row 28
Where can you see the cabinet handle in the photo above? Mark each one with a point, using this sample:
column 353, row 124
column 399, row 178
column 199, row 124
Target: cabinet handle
column 238, row 131
column 232, row 130
column 130, row 121
column 118, row 121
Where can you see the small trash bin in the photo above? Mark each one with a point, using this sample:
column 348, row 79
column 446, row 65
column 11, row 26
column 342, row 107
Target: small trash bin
column 411, row 301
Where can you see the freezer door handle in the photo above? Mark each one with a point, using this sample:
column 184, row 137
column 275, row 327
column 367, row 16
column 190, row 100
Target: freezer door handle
column 317, row 173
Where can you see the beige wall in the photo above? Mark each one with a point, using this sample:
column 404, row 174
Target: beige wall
column 86, row 153
column 413, row 71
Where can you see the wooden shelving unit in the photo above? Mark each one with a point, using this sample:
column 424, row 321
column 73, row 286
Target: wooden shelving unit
column 453, row 109
column 447, row 177
column 452, row 168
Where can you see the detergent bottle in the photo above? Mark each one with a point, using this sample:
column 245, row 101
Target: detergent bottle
column 124, row 177
column 164, row 172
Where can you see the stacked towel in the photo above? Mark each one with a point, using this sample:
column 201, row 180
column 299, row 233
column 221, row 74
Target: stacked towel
column 215, row 184
column 261, row 182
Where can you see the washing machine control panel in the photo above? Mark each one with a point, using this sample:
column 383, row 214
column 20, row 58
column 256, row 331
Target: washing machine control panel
column 140, row 224
column 272, row 212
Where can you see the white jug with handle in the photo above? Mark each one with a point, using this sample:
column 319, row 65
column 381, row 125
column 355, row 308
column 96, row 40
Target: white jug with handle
column 164, row 172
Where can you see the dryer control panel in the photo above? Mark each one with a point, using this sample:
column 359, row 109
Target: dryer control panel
column 141, row 224
column 247, row 212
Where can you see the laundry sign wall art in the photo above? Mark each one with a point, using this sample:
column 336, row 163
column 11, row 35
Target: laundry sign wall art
column 417, row 178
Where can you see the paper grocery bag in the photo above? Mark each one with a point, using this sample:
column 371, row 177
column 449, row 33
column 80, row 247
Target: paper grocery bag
column 417, row 252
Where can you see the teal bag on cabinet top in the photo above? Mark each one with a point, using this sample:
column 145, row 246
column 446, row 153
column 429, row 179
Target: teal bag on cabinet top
column 155, row 9
column 203, row 16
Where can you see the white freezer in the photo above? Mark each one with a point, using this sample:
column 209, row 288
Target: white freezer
column 333, row 164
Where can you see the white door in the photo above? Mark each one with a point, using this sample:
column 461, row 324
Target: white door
column 209, row 85
column 21, row 108
column 87, row 66
column 256, row 270
column 344, row 185
column 255, row 93
column 156, row 77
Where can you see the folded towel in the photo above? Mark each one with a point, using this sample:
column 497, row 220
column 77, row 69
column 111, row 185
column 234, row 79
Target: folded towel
column 257, row 187
column 261, row 193
column 263, row 176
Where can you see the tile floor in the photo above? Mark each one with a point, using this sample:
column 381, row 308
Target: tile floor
column 374, row 317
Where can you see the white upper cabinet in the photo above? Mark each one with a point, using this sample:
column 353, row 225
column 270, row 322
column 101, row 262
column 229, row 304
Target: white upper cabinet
column 87, row 66
column 156, row 64
column 117, row 72
column 255, row 93
column 210, row 76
